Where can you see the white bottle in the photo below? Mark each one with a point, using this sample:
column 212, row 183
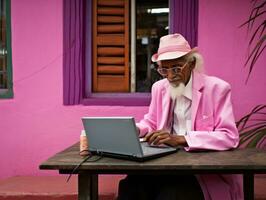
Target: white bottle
column 83, row 147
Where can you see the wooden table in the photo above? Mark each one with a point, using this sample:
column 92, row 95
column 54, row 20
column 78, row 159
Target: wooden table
column 240, row 161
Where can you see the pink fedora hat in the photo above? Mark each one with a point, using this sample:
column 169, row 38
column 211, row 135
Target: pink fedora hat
column 171, row 47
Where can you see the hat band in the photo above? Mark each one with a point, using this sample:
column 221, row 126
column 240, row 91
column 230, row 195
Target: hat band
column 173, row 48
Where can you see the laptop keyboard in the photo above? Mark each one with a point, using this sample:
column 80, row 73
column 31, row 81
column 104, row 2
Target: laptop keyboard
column 149, row 150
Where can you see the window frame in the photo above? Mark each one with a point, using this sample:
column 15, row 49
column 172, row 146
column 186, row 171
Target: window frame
column 77, row 59
column 8, row 93
column 92, row 98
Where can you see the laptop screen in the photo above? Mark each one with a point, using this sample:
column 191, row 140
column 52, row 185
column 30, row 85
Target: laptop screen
column 112, row 134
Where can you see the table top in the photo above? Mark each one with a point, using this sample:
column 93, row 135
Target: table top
column 233, row 161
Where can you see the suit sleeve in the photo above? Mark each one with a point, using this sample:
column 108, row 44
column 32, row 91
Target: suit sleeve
column 148, row 123
column 224, row 135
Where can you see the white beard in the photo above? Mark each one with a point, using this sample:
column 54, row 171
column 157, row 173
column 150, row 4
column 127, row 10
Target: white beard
column 176, row 91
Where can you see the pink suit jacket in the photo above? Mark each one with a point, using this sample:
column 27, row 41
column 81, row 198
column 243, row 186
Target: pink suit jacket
column 213, row 128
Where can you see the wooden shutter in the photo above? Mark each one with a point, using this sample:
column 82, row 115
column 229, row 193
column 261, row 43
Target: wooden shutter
column 110, row 46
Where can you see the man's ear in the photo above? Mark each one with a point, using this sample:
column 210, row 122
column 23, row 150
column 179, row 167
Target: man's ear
column 192, row 63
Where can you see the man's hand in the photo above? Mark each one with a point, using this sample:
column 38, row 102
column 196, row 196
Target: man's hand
column 164, row 137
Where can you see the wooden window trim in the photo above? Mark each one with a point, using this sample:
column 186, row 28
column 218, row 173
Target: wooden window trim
column 8, row 93
column 117, row 99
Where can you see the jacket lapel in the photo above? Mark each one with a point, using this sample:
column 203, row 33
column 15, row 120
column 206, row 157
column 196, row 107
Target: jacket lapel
column 167, row 104
column 197, row 86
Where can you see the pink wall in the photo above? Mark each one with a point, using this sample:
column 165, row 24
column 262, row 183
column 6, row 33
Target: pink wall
column 224, row 47
column 35, row 124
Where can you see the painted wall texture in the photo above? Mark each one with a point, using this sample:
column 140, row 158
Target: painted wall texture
column 224, row 46
column 35, row 124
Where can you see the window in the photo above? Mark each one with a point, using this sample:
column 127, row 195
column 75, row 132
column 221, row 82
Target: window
column 6, row 90
column 113, row 70
column 152, row 22
column 119, row 64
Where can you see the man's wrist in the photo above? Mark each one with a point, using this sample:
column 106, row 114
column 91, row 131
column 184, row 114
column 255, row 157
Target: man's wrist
column 181, row 140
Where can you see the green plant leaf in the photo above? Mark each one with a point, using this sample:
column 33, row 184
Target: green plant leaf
column 257, row 13
column 242, row 123
column 249, row 134
column 262, row 27
column 252, row 126
column 260, row 124
column 254, row 142
column 256, row 52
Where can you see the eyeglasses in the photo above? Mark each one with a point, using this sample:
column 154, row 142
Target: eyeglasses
column 174, row 70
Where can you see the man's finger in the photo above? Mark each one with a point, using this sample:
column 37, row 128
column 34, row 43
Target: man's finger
column 159, row 138
column 150, row 134
column 153, row 137
column 165, row 141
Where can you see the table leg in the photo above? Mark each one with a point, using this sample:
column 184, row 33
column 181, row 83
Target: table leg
column 248, row 183
column 87, row 186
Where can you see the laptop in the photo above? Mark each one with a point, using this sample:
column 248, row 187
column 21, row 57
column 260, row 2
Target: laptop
column 118, row 137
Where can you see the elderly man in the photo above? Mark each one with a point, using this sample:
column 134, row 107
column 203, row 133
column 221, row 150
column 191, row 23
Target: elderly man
column 187, row 109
